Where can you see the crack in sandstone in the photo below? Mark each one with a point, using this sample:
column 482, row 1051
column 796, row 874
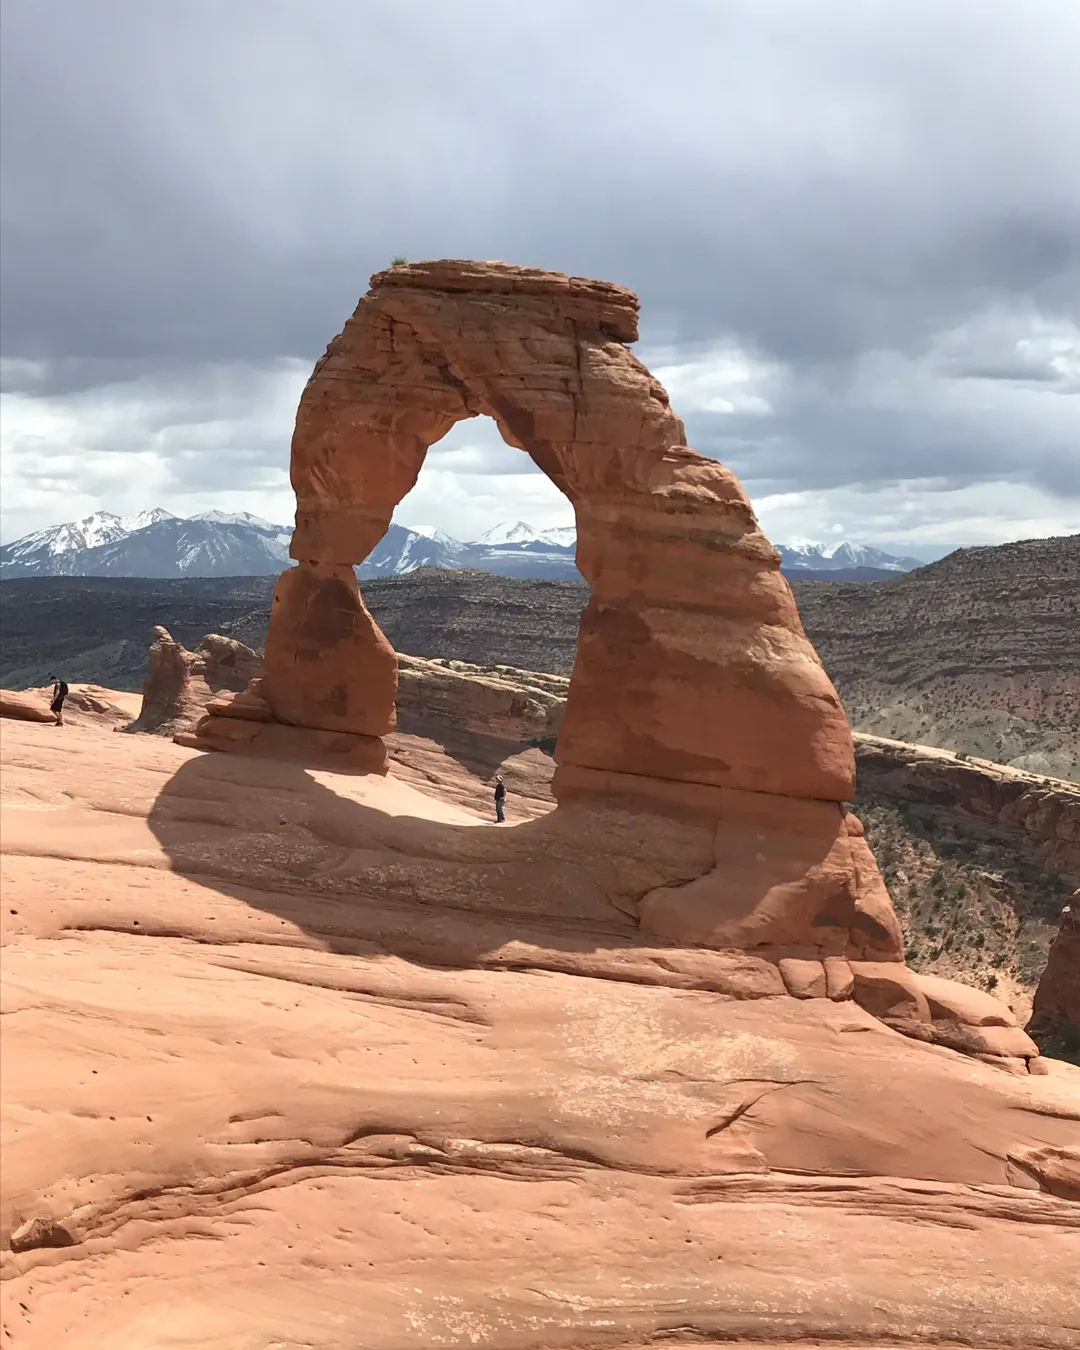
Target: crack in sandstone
column 748, row 1105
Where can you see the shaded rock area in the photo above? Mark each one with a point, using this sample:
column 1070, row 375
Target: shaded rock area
column 1055, row 1017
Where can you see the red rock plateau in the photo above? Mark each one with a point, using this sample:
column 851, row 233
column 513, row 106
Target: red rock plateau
column 304, row 1057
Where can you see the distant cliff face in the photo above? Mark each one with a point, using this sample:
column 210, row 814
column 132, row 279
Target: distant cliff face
column 1044, row 812
column 979, row 652
column 978, row 857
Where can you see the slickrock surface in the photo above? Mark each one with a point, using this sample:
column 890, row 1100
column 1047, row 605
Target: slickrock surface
column 293, row 1059
column 84, row 703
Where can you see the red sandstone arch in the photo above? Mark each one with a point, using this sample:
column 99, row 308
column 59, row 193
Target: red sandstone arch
column 692, row 664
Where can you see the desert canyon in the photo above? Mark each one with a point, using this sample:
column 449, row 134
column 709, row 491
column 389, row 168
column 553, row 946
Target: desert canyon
column 301, row 1051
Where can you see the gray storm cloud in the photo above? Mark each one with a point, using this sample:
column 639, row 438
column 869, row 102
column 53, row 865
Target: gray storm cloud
column 187, row 182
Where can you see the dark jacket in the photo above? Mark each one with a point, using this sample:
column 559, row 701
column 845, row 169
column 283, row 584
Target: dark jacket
column 500, row 792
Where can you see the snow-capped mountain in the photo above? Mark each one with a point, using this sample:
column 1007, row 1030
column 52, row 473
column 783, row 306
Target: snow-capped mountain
column 809, row 555
column 48, row 552
column 403, row 550
column 518, row 532
column 151, row 544
column 219, row 543
column 512, row 548
column 190, row 548
column 236, row 518
column 141, row 519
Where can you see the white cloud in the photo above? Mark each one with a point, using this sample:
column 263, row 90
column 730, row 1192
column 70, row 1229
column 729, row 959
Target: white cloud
column 726, row 379
column 214, row 436
column 919, row 515
column 820, row 457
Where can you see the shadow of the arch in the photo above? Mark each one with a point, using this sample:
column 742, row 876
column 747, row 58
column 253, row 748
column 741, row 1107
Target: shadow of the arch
column 358, row 869
column 367, row 865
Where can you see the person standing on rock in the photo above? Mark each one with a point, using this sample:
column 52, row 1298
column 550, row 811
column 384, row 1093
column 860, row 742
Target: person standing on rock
column 59, row 693
column 500, row 799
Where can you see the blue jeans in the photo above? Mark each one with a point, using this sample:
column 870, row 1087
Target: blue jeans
column 499, row 807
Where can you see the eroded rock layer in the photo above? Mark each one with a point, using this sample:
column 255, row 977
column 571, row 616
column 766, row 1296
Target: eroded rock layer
column 179, row 683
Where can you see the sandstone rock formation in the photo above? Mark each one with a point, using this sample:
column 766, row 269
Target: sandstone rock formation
column 1055, row 1015
column 695, row 693
column 180, row 683
column 723, row 703
column 293, row 1058
column 730, row 696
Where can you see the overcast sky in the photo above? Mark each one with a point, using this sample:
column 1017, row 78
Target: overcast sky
column 854, row 229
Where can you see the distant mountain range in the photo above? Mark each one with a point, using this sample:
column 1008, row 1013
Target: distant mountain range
column 151, row 544
column 219, row 544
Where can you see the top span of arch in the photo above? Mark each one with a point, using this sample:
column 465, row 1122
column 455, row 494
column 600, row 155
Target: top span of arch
column 601, row 304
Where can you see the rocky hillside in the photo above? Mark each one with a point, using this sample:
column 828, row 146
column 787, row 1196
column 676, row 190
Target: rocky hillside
column 979, row 859
column 979, row 652
column 99, row 629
